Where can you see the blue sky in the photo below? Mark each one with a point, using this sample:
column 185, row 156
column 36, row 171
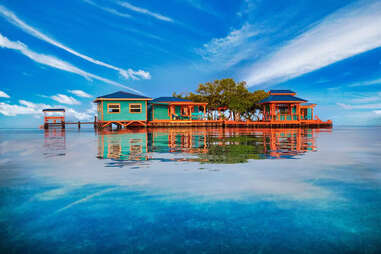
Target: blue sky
column 65, row 53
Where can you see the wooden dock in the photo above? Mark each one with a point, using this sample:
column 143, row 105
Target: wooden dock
column 64, row 124
column 194, row 123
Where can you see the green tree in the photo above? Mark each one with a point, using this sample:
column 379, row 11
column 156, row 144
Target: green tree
column 226, row 93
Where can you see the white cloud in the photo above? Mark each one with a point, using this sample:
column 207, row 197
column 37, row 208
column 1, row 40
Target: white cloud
column 80, row 93
column 369, row 98
column 145, row 11
column 3, row 95
column 366, row 99
column 135, row 74
column 367, row 83
column 230, row 50
column 12, row 18
column 110, row 10
column 352, row 30
column 54, row 62
column 30, row 108
column 359, row 106
column 64, row 99
column 24, row 108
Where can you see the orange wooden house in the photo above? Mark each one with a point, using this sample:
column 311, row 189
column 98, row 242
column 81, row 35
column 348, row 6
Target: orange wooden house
column 282, row 106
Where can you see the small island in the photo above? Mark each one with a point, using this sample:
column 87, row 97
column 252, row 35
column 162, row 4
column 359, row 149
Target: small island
column 218, row 104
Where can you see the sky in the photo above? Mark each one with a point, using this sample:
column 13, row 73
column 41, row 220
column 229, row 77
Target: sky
column 66, row 53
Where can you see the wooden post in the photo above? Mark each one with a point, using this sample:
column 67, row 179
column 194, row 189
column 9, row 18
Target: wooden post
column 272, row 110
column 312, row 113
column 264, row 112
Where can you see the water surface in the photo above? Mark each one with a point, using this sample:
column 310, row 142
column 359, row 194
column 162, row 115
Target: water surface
column 190, row 190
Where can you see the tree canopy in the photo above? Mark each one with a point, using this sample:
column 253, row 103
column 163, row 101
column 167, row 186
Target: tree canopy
column 226, row 94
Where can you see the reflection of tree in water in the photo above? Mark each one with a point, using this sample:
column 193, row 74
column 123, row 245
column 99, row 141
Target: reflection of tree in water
column 236, row 149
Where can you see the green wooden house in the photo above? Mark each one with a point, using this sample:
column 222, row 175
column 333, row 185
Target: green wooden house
column 122, row 108
column 172, row 108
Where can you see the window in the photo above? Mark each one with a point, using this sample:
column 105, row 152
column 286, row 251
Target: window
column 113, row 108
column 135, row 108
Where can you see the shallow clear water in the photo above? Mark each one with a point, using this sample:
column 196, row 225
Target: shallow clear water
column 191, row 191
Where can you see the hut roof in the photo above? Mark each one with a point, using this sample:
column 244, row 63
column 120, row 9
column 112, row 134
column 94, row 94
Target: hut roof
column 123, row 95
column 170, row 99
column 281, row 98
column 53, row 110
column 282, row 92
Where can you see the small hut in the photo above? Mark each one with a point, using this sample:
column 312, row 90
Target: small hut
column 54, row 117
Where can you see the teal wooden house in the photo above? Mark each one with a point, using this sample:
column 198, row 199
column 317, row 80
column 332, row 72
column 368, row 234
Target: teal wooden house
column 172, row 108
column 122, row 109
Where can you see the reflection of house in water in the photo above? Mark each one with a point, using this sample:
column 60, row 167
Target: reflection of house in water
column 286, row 143
column 210, row 145
column 123, row 145
column 187, row 140
column 54, row 142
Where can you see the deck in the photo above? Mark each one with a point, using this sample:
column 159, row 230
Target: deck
column 196, row 123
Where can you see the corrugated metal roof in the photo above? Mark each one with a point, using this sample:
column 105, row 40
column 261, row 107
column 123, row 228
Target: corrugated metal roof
column 53, row 109
column 281, row 91
column 170, row 99
column 123, row 95
column 282, row 98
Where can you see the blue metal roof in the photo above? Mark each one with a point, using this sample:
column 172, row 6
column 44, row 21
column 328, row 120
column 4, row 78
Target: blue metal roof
column 282, row 98
column 123, row 95
column 281, row 91
column 170, row 99
column 53, row 110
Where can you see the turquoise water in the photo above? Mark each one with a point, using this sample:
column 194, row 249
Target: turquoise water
column 191, row 191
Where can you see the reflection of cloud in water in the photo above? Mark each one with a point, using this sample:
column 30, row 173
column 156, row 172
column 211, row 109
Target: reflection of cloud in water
column 165, row 173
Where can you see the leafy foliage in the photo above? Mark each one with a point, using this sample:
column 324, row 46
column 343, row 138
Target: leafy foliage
column 226, row 94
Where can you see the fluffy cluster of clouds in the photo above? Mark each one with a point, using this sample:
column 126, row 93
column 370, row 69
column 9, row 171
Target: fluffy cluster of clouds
column 25, row 107
column 29, row 108
column 62, row 98
column 4, row 95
